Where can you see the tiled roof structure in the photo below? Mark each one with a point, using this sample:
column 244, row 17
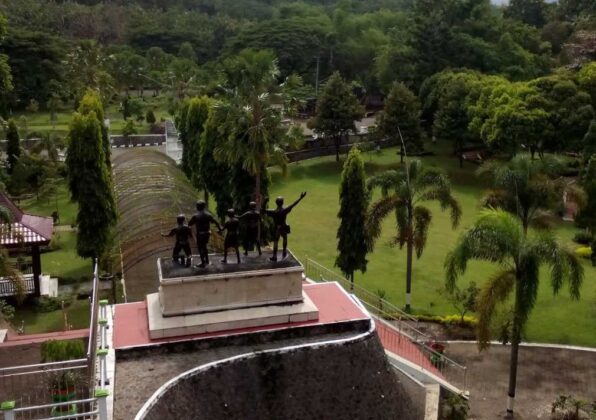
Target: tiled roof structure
column 26, row 229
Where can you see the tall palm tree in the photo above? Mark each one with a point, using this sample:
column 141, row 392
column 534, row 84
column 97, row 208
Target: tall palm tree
column 257, row 137
column 499, row 237
column 527, row 188
column 403, row 192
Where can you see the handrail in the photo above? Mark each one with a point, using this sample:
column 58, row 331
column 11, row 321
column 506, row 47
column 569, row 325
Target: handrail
column 37, row 365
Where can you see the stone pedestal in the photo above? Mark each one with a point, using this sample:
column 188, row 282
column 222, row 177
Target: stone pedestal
column 227, row 296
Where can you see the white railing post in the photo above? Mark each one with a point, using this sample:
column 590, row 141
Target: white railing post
column 103, row 367
column 102, row 403
column 7, row 408
column 103, row 325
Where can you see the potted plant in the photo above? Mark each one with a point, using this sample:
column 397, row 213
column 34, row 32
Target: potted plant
column 63, row 383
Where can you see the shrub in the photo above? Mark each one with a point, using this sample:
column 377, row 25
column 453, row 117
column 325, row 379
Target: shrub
column 447, row 320
column 129, row 128
column 582, row 238
column 61, row 350
column 45, row 304
column 150, row 117
column 584, row 252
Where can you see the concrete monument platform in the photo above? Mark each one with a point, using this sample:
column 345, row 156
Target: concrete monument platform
column 220, row 297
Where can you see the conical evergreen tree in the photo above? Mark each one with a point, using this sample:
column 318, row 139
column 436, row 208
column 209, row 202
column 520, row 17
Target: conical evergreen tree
column 352, row 243
column 13, row 146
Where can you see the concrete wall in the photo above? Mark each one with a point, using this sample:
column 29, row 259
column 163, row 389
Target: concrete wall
column 350, row 380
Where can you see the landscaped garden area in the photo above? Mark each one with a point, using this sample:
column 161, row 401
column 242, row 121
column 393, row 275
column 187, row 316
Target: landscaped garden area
column 555, row 319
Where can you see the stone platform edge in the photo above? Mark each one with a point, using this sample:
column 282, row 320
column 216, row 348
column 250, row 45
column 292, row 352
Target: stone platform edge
column 233, row 319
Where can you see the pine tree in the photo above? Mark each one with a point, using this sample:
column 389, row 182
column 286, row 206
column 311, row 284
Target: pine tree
column 351, row 234
column 196, row 117
column 13, row 146
column 402, row 115
column 337, row 109
column 89, row 176
column 91, row 102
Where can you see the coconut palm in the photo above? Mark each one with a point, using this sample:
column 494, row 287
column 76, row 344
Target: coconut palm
column 527, row 188
column 403, row 192
column 499, row 237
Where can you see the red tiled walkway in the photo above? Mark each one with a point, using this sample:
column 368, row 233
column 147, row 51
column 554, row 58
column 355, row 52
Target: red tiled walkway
column 399, row 344
column 131, row 327
column 19, row 340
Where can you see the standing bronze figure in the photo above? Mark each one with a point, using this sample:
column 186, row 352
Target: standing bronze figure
column 203, row 219
column 253, row 220
column 231, row 239
column 183, row 235
column 282, row 229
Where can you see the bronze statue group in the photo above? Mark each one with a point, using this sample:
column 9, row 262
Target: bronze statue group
column 203, row 220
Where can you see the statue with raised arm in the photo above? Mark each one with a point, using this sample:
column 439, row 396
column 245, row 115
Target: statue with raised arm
column 231, row 239
column 282, row 229
column 183, row 235
column 253, row 219
column 203, row 220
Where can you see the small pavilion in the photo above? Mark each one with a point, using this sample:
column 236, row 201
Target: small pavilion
column 27, row 232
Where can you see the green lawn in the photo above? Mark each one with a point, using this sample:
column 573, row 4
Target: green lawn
column 40, row 122
column 67, row 209
column 64, row 262
column 77, row 317
column 314, row 226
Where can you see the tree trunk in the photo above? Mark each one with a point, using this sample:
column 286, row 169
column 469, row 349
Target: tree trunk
column 352, row 281
column 409, row 272
column 515, row 340
column 337, row 144
column 258, row 201
column 206, row 196
column 401, row 154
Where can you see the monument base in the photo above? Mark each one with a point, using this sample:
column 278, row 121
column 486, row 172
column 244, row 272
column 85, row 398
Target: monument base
column 231, row 319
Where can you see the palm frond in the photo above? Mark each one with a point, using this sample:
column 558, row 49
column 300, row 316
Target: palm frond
column 377, row 213
column 385, row 181
column 496, row 290
column 446, row 200
column 422, row 218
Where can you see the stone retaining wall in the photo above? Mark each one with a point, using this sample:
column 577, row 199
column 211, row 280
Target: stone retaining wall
column 346, row 380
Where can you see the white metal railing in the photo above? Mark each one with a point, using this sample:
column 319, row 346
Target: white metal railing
column 25, row 388
column 9, row 288
column 397, row 324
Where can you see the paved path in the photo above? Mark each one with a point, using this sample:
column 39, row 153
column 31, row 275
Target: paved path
column 543, row 375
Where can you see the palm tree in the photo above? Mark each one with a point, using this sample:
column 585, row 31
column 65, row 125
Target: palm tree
column 403, row 192
column 527, row 188
column 257, row 137
column 499, row 237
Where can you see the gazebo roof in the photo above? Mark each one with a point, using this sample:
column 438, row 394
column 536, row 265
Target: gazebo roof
column 26, row 229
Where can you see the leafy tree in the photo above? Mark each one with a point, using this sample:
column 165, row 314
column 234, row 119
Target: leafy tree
column 337, row 109
column 400, row 120
column 129, row 128
column 50, row 143
column 13, row 145
column 587, row 80
column 589, row 142
column 464, row 300
column 499, row 237
column 53, row 104
column 404, row 193
column 33, row 106
column 352, row 242
column 531, row 12
column 87, row 70
column 187, row 52
column 587, row 216
column 90, row 185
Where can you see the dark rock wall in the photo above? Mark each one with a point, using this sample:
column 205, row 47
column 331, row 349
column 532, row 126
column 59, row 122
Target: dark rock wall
column 341, row 381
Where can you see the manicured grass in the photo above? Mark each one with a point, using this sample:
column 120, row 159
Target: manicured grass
column 40, row 121
column 64, row 262
column 314, row 226
column 60, row 201
column 77, row 315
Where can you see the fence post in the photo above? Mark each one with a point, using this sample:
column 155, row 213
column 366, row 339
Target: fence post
column 103, row 324
column 102, row 403
column 7, row 408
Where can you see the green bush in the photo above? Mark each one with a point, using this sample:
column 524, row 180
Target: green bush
column 450, row 320
column 44, row 304
column 584, row 252
column 582, row 238
column 61, row 350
